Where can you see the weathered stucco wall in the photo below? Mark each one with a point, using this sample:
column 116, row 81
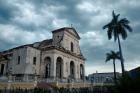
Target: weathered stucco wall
column 67, row 58
column 26, row 65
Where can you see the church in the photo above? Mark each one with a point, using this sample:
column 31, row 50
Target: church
column 56, row 59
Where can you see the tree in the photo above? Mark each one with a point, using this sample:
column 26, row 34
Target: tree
column 118, row 27
column 113, row 56
column 126, row 84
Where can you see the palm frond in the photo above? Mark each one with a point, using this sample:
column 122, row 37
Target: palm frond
column 123, row 33
column 128, row 27
column 113, row 14
column 115, row 34
column 112, row 52
column 109, row 33
column 124, row 21
column 118, row 52
column 112, row 55
column 107, row 26
column 107, row 57
column 115, row 17
column 117, row 27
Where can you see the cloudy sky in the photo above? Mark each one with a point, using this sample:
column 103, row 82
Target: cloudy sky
column 28, row 21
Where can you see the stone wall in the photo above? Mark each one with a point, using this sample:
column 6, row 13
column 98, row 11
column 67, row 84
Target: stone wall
column 25, row 64
column 66, row 41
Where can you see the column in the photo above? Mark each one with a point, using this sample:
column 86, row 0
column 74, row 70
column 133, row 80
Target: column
column 53, row 66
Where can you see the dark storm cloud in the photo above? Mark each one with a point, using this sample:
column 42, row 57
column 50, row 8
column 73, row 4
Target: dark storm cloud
column 6, row 12
column 36, row 18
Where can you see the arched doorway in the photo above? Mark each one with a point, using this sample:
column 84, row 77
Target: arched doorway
column 81, row 71
column 59, row 67
column 47, row 61
column 2, row 69
column 72, row 69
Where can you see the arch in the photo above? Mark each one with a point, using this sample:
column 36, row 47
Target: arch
column 72, row 69
column 81, row 71
column 72, row 46
column 59, row 67
column 47, row 61
column 2, row 69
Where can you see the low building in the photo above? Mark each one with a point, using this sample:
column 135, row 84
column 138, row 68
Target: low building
column 134, row 73
column 103, row 77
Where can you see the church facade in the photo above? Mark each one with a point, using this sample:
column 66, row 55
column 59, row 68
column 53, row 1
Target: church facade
column 59, row 58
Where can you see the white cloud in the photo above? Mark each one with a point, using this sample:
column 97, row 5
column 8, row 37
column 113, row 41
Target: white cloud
column 46, row 15
column 27, row 14
column 99, row 19
column 131, row 3
column 58, row 23
column 131, row 64
column 92, row 38
column 87, row 7
column 95, row 12
column 15, row 35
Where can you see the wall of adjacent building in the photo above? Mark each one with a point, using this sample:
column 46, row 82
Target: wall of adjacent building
column 19, row 68
column 103, row 77
column 31, row 53
column 26, row 65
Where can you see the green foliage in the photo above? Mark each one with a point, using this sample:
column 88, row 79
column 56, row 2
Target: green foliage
column 127, row 84
column 117, row 27
column 112, row 55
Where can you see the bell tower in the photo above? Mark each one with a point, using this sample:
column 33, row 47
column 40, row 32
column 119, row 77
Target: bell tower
column 67, row 38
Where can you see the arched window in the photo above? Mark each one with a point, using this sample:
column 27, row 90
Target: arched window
column 59, row 70
column 18, row 60
column 48, row 67
column 34, row 60
column 72, row 69
column 81, row 71
column 72, row 47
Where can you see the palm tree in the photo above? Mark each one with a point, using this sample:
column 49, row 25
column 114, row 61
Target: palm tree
column 113, row 56
column 118, row 27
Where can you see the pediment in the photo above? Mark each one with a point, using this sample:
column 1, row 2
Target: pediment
column 73, row 32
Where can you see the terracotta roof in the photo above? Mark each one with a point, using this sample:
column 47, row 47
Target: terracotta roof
column 3, row 57
column 45, row 43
